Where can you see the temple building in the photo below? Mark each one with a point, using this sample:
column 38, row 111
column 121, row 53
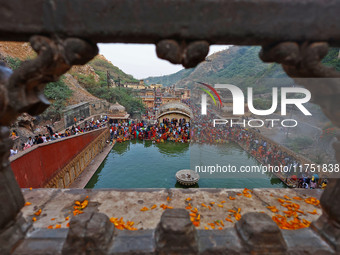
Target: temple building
column 117, row 113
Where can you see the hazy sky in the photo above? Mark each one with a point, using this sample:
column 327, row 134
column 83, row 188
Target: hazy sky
column 141, row 60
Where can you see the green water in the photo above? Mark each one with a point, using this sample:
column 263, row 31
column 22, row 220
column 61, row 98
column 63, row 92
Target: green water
column 143, row 164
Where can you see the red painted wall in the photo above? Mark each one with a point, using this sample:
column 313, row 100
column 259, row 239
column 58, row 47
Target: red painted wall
column 37, row 165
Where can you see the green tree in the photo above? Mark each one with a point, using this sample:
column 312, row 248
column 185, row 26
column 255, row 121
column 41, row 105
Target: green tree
column 57, row 92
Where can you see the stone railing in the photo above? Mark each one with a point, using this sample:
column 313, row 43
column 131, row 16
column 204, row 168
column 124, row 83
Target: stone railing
column 50, row 164
column 171, row 231
column 65, row 177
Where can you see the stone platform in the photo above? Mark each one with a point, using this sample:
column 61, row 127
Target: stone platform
column 58, row 204
column 165, row 224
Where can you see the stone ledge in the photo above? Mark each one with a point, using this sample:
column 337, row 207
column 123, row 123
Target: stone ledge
column 58, row 203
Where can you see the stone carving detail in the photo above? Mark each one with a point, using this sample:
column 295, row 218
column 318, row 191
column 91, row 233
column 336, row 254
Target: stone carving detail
column 22, row 91
column 189, row 55
column 175, row 234
column 25, row 86
column 260, row 234
column 302, row 62
column 90, row 233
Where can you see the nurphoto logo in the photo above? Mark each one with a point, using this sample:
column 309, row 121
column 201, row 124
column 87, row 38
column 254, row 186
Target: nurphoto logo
column 239, row 104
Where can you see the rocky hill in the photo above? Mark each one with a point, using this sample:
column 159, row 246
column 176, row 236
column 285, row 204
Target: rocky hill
column 237, row 65
column 72, row 88
column 12, row 53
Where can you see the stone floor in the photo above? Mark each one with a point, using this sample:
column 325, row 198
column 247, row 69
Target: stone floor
column 57, row 204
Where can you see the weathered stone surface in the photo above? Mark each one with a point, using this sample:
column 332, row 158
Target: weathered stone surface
column 218, row 242
column 328, row 225
column 305, row 241
column 12, row 234
column 330, row 200
column 260, row 234
column 90, row 233
column 175, row 234
column 10, row 192
column 58, row 203
column 133, row 243
column 42, row 241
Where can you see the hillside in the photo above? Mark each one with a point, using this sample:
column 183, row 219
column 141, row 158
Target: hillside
column 71, row 89
column 237, row 65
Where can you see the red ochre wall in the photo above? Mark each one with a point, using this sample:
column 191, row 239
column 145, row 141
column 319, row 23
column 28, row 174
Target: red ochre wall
column 37, row 165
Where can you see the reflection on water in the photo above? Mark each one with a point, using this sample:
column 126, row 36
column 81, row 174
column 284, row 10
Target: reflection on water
column 143, row 164
column 172, row 149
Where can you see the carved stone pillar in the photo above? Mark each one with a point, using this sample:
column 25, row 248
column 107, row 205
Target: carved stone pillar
column 23, row 91
column 90, row 233
column 175, row 233
column 302, row 62
column 260, row 234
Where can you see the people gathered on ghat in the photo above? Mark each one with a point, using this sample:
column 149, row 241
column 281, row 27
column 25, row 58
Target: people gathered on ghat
column 177, row 130
column 202, row 131
column 51, row 136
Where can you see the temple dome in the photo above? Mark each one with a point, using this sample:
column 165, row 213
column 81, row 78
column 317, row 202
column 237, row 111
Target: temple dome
column 117, row 108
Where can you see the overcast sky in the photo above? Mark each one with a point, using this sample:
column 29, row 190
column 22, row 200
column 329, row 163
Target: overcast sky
column 141, row 60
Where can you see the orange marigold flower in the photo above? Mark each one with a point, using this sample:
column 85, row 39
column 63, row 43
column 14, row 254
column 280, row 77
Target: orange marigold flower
column 153, row 207
column 238, row 216
column 50, row 227
column 34, row 219
column 57, row 226
column 273, row 209
column 312, row 201
column 144, row 209
column 196, row 223
column 188, row 207
column 313, row 212
column 37, row 213
column 232, row 198
column 27, row 203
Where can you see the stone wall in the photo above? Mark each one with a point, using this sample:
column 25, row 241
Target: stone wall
column 73, row 169
column 98, row 106
column 49, row 164
column 79, row 111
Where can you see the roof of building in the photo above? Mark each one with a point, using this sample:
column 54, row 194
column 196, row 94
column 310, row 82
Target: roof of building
column 116, row 108
column 175, row 107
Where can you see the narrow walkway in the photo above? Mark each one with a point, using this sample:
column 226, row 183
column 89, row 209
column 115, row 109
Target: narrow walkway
column 81, row 181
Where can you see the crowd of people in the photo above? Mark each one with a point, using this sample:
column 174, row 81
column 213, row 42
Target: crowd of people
column 177, row 130
column 202, row 131
column 52, row 136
